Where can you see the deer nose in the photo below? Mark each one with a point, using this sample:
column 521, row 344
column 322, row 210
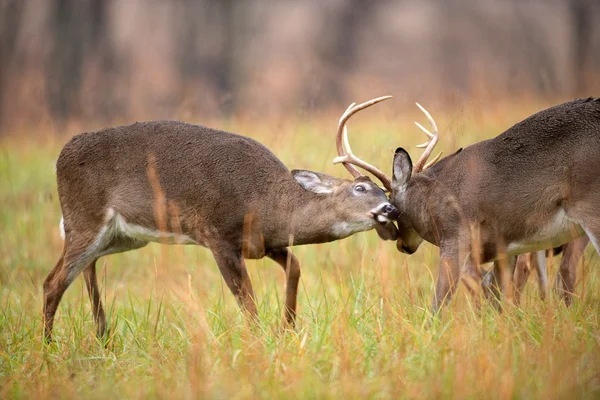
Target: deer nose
column 384, row 213
column 390, row 211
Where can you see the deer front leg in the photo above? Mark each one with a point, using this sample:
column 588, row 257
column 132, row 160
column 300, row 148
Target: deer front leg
column 565, row 280
column 538, row 261
column 232, row 267
column 522, row 271
column 291, row 267
column 448, row 278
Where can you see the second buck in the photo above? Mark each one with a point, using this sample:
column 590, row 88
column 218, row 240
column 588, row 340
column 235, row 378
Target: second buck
column 535, row 186
column 171, row 182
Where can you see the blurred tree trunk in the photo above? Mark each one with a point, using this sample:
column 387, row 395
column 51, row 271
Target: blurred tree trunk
column 340, row 52
column 10, row 21
column 451, row 55
column 64, row 69
column 581, row 21
column 78, row 30
column 226, row 67
column 216, row 21
column 541, row 65
column 188, row 58
column 100, row 47
column 354, row 18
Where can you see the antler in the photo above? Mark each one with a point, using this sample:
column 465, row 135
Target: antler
column 429, row 144
column 346, row 156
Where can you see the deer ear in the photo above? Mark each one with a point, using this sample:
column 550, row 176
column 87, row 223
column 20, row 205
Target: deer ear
column 402, row 168
column 312, row 181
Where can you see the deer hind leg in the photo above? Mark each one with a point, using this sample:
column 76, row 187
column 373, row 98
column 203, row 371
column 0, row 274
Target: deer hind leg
column 78, row 253
column 234, row 272
column 491, row 284
column 475, row 282
column 91, row 283
column 565, row 280
column 50, row 296
column 538, row 262
column 499, row 279
column 291, row 267
column 521, row 274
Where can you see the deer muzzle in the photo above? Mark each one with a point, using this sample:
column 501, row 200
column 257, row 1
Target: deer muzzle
column 384, row 213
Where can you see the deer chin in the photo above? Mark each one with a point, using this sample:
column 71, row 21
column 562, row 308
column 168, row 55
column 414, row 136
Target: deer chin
column 345, row 229
column 402, row 247
column 387, row 231
column 382, row 219
column 407, row 247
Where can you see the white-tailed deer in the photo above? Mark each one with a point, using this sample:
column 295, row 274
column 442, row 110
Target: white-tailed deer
column 172, row 182
column 535, row 186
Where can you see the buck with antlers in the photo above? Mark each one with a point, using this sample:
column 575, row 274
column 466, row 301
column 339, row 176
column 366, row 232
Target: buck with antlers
column 535, row 186
column 172, row 182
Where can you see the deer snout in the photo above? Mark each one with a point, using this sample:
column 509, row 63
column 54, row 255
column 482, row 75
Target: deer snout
column 385, row 213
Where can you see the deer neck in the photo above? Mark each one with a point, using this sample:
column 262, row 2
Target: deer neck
column 422, row 204
column 303, row 217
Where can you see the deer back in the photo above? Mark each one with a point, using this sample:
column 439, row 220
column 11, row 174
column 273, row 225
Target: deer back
column 203, row 183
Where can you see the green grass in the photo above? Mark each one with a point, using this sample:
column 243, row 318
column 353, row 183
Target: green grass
column 176, row 331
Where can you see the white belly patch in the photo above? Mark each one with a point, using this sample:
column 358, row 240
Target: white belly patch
column 117, row 226
column 559, row 230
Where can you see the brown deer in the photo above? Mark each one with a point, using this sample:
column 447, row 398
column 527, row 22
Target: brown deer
column 172, row 182
column 535, row 186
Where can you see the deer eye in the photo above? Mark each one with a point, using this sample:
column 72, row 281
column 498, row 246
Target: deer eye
column 360, row 188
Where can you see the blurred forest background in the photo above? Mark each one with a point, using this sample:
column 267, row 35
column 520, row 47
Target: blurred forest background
column 102, row 61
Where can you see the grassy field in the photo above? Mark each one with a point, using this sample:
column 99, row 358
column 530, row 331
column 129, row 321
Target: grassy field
column 176, row 331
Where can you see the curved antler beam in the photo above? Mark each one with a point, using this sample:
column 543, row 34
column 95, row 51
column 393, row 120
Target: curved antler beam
column 345, row 154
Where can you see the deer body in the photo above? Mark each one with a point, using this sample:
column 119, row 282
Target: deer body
column 533, row 187
column 456, row 191
column 173, row 182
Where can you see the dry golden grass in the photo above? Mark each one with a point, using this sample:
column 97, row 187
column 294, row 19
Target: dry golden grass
column 175, row 330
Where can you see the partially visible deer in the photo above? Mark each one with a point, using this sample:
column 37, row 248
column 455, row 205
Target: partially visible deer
column 172, row 182
column 535, row 186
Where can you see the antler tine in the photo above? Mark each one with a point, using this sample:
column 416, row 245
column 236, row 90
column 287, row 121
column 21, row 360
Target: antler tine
column 433, row 161
column 429, row 144
column 346, row 156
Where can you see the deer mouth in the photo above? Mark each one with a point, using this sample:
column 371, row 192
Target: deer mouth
column 382, row 219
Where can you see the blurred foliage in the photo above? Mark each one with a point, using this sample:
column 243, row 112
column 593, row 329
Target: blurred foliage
column 90, row 62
